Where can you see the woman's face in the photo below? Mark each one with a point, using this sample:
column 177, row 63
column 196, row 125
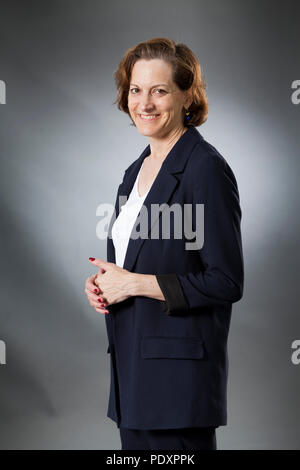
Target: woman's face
column 153, row 93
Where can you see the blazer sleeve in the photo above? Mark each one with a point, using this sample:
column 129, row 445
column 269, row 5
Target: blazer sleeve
column 220, row 277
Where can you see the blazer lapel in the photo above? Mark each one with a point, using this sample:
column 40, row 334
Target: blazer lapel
column 123, row 193
column 165, row 183
column 160, row 193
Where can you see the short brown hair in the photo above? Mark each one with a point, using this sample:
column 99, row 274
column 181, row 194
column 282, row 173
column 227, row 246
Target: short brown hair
column 186, row 74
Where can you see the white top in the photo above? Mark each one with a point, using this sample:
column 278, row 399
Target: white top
column 124, row 223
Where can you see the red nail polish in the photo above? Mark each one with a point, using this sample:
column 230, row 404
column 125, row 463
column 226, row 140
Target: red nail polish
column 99, row 300
column 102, row 305
column 95, row 290
column 92, row 259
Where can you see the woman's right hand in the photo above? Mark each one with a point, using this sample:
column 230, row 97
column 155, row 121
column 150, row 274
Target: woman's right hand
column 93, row 294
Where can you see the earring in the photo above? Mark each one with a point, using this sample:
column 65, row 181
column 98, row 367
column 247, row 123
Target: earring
column 187, row 117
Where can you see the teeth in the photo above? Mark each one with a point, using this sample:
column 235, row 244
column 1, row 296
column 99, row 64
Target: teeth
column 152, row 116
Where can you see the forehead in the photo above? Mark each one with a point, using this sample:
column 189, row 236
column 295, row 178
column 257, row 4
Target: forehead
column 144, row 72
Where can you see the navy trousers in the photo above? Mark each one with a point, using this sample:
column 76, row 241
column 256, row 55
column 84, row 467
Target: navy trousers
column 169, row 439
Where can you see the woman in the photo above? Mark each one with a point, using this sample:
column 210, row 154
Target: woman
column 168, row 299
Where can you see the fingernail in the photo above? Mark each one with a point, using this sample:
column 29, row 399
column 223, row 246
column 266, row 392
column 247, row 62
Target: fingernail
column 106, row 311
column 92, row 259
column 95, row 290
column 102, row 305
column 99, row 300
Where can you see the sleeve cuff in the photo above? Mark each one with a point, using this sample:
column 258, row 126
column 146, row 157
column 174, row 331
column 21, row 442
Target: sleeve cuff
column 175, row 301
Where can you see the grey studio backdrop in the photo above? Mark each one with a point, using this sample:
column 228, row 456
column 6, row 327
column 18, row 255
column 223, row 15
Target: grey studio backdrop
column 64, row 147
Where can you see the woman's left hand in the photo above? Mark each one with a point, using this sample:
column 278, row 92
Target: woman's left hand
column 115, row 283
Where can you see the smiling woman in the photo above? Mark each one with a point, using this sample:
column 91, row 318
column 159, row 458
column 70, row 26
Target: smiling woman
column 169, row 304
column 179, row 72
column 149, row 104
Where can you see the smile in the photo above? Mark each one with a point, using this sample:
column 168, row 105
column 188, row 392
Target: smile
column 149, row 117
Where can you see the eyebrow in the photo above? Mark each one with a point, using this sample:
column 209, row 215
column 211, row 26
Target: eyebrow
column 159, row 84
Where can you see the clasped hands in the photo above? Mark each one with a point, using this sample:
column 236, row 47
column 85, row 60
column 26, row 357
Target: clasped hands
column 110, row 285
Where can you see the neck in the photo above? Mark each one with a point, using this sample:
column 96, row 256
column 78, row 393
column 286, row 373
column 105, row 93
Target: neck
column 161, row 146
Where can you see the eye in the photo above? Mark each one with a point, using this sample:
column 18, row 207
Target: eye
column 157, row 89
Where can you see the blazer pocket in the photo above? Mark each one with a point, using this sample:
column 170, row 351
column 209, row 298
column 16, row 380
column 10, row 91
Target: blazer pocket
column 171, row 347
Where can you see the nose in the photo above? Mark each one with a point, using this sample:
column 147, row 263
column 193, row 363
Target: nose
column 146, row 104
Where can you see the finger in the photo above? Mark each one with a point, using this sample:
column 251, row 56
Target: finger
column 92, row 293
column 99, row 290
column 91, row 286
column 91, row 279
column 99, row 262
column 99, row 303
column 89, row 283
column 99, row 306
column 101, row 310
column 92, row 296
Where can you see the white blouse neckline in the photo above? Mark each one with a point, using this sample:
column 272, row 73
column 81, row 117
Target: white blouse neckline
column 137, row 183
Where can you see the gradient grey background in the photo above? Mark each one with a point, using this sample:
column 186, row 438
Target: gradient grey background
column 64, row 147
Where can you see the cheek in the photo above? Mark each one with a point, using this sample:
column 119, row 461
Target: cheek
column 170, row 108
column 131, row 101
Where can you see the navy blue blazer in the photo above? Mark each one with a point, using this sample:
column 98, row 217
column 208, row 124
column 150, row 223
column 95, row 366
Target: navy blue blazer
column 169, row 360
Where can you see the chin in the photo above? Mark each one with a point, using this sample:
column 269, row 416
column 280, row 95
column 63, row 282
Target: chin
column 144, row 131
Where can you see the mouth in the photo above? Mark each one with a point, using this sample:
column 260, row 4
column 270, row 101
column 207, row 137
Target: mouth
column 149, row 117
